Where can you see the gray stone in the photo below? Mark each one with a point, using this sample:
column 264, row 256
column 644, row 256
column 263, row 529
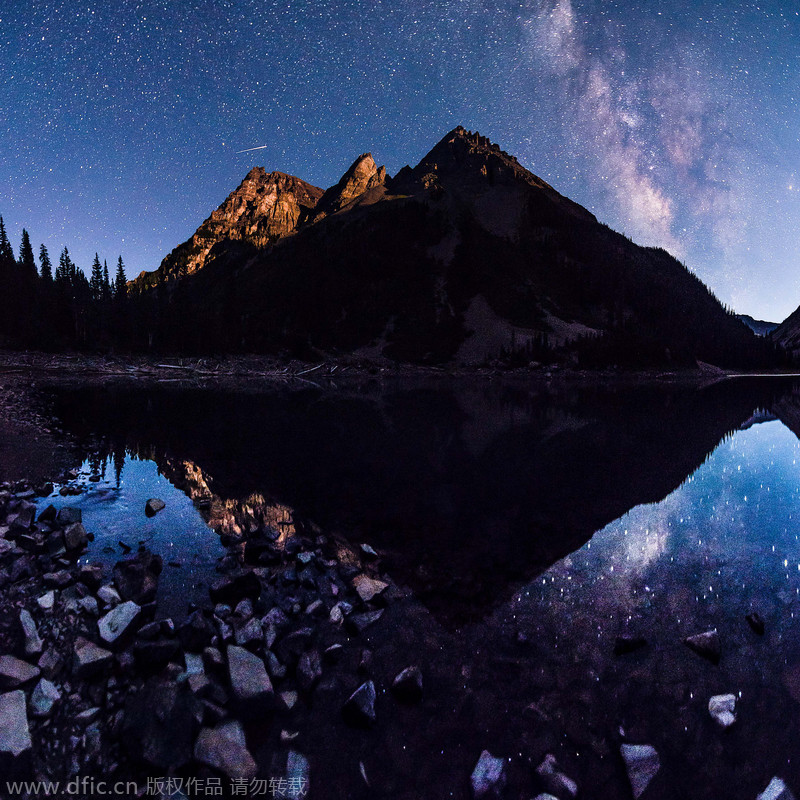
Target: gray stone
column 367, row 587
column 249, row 680
column 358, row 622
column 722, row 708
column 368, row 553
column 777, row 790
column 108, row 595
column 69, row 515
column 89, row 659
column 15, row 672
column 15, row 737
column 706, row 645
column 250, row 632
column 44, row 697
column 309, row 670
column 119, row 621
column 359, row 709
column 47, row 601
column 642, row 763
column 489, row 776
column 555, row 781
column 153, row 506
column 89, row 605
column 224, row 748
column 33, row 643
column 75, row 537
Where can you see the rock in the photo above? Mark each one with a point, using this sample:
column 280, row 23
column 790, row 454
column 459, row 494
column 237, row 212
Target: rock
column 368, row 553
column 160, row 724
column 47, row 601
column 57, row 580
column 15, row 737
column 89, row 659
column 249, row 680
column 722, row 708
column 367, row 587
column 555, row 781
column 309, row 670
column 44, row 697
column 69, row 515
column 108, row 595
column 289, row 699
column 358, row 622
column 91, row 576
column 291, row 647
column 33, row 643
column 89, row 605
column 642, row 763
column 224, row 748
column 75, row 537
column 407, row 686
column 777, row 790
column 298, row 775
column 336, row 616
column 545, row 796
column 119, row 621
column 334, row 653
column 236, row 587
column 137, row 578
column 152, row 656
column 755, row 621
column 628, row 644
column 489, row 776
column 15, row 672
column 706, row 645
column 153, row 506
column 49, row 513
column 196, row 633
column 50, row 663
column 359, row 710
column 248, row 633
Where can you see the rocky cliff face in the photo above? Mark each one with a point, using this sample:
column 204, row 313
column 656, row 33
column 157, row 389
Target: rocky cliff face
column 266, row 206
column 362, row 176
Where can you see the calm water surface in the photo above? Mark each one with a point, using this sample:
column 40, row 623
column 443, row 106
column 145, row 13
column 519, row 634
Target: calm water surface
column 532, row 527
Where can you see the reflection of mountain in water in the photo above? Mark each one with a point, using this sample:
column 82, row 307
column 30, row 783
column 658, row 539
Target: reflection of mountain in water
column 467, row 488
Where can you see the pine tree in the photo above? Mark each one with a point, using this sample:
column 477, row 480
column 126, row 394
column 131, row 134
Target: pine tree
column 106, row 282
column 6, row 251
column 96, row 281
column 26, row 260
column 45, row 267
column 120, row 282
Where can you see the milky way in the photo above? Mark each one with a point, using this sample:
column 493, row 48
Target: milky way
column 676, row 123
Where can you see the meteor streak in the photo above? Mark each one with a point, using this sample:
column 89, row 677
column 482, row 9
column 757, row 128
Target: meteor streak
column 249, row 149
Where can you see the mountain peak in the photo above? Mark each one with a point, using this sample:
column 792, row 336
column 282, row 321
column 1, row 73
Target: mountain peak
column 362, row 175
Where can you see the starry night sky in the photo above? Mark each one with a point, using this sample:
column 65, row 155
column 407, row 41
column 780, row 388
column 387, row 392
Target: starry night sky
column 674, row 122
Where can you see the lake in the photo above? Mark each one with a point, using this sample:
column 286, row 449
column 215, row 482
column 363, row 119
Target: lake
column 528, row 525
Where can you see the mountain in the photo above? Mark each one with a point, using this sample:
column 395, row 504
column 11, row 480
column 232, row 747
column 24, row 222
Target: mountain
column 758, row 326
column 787, row 334
column 466, row 257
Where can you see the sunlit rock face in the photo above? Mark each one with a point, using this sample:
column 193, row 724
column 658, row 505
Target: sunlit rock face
column 266, row 207
column 362, row 176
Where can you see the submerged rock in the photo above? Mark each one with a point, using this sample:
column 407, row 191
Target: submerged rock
column 359, row 710
column 69, row 515
column 407, row 686
column 153, row 506
column 706, row 645
column 642, row 764
column 777, row 790
column 722, row 708
column 555, row 781
column 489, row 775
column 15, row 737
column 755, row 621
column 224, row 748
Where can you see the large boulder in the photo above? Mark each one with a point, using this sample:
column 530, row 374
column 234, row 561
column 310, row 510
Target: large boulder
column 250, row 683
column 89, row 659
column 15, row 737
column 121, row 620
column 16, row 672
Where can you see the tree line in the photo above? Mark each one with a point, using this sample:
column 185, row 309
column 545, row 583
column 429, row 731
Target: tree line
column 52, row 308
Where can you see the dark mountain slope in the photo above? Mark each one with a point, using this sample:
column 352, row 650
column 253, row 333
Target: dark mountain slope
column 465, row 257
